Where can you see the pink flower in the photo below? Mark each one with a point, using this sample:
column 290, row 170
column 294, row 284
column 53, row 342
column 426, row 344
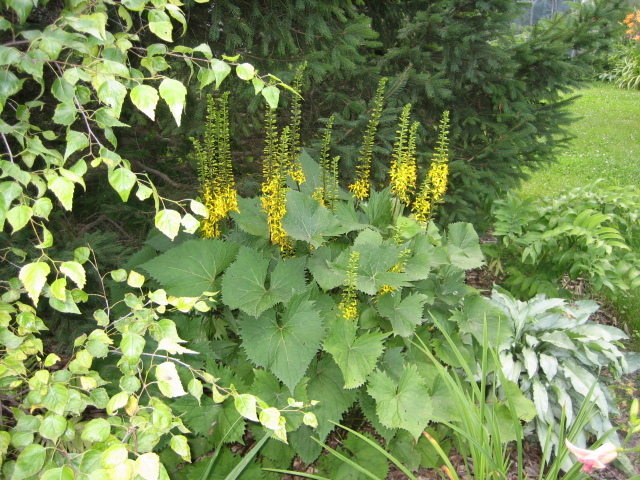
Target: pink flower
column 598, row 458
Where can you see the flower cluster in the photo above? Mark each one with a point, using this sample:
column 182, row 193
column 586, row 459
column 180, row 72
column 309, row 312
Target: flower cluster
column 435, row 185
column 362, row 185
column 214, row 166
column 274, row 188
column 404, row 170
column 632, row 21
column 349, row 304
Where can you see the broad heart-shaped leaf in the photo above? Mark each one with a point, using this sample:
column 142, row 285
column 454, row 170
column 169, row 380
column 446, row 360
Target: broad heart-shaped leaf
column 463, row 246
column 309, row 221
column 405, row 404
column 355, row 355
column 174, row 93
column 145, row 97
column 374, row 267
column 325, row 385
column 286, row 345
column 404, row 313
column 243, row 284
column 122, row 180
column 191, row 268
column 33, row 276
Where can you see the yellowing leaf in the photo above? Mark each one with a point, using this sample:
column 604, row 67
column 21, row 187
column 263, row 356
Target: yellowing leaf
column 174, row 93
column 33, row 276
column 148, row 466
column 145, row 98
column 169, row 381
column 168, row 222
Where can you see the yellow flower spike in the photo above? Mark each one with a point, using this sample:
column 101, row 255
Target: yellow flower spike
column 435, row 184
column 349, row 304
column 361, row 187
column 404, row 170
column 217, row 184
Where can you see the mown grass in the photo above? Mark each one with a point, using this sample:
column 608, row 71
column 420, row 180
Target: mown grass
column 607, row 147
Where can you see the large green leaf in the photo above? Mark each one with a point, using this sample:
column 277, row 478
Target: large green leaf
column 286, row 345
column 145, row 97
column 29, row 462
column 309, row 221
column 355, row 355
column 191, row 268
column 402, row 404
column 174, row 93
column 122, row 180
column 325, row 385
column 475, row 312
column 243, row 284
column 34, row 277
column 463, row 246
column 404, row 313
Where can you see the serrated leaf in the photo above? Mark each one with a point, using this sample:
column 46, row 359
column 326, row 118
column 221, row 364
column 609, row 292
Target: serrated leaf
column 245, row 71
column 355, row 355
column 122, row 180
column 243, row 284
column 93, row 24
column 284, row 346
column 9, row 85
column 168, row 380
column 174, row 93
column 192, row 267
column 63, row 188
column 160, row 24
column 112, row 93
column 247, row 406
column 19, row 216
column 29, row 462
column 220, row 70
column 404, row 313
column 75, row 141
column 132, row 346
column 168, row 222
column 75, row 272
column 145, row 97
column 60, row 473
column 325, row 385
column 271, row 95
column 309, row 221
column 403, row 404
column 148, row 466
column 53, row 426
column 33, row 276
column 97, row 430
column 179, row 444
column 463, row 246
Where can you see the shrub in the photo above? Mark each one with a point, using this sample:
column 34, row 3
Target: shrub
column 587, row 233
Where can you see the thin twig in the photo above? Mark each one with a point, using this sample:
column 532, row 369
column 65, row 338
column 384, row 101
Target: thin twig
column 163, row 176
column 6, row 144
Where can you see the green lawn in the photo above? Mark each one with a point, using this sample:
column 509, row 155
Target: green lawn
column 607, row 147
column 607, row 144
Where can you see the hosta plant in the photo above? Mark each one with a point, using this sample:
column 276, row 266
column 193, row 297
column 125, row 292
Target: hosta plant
column 561, row 359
